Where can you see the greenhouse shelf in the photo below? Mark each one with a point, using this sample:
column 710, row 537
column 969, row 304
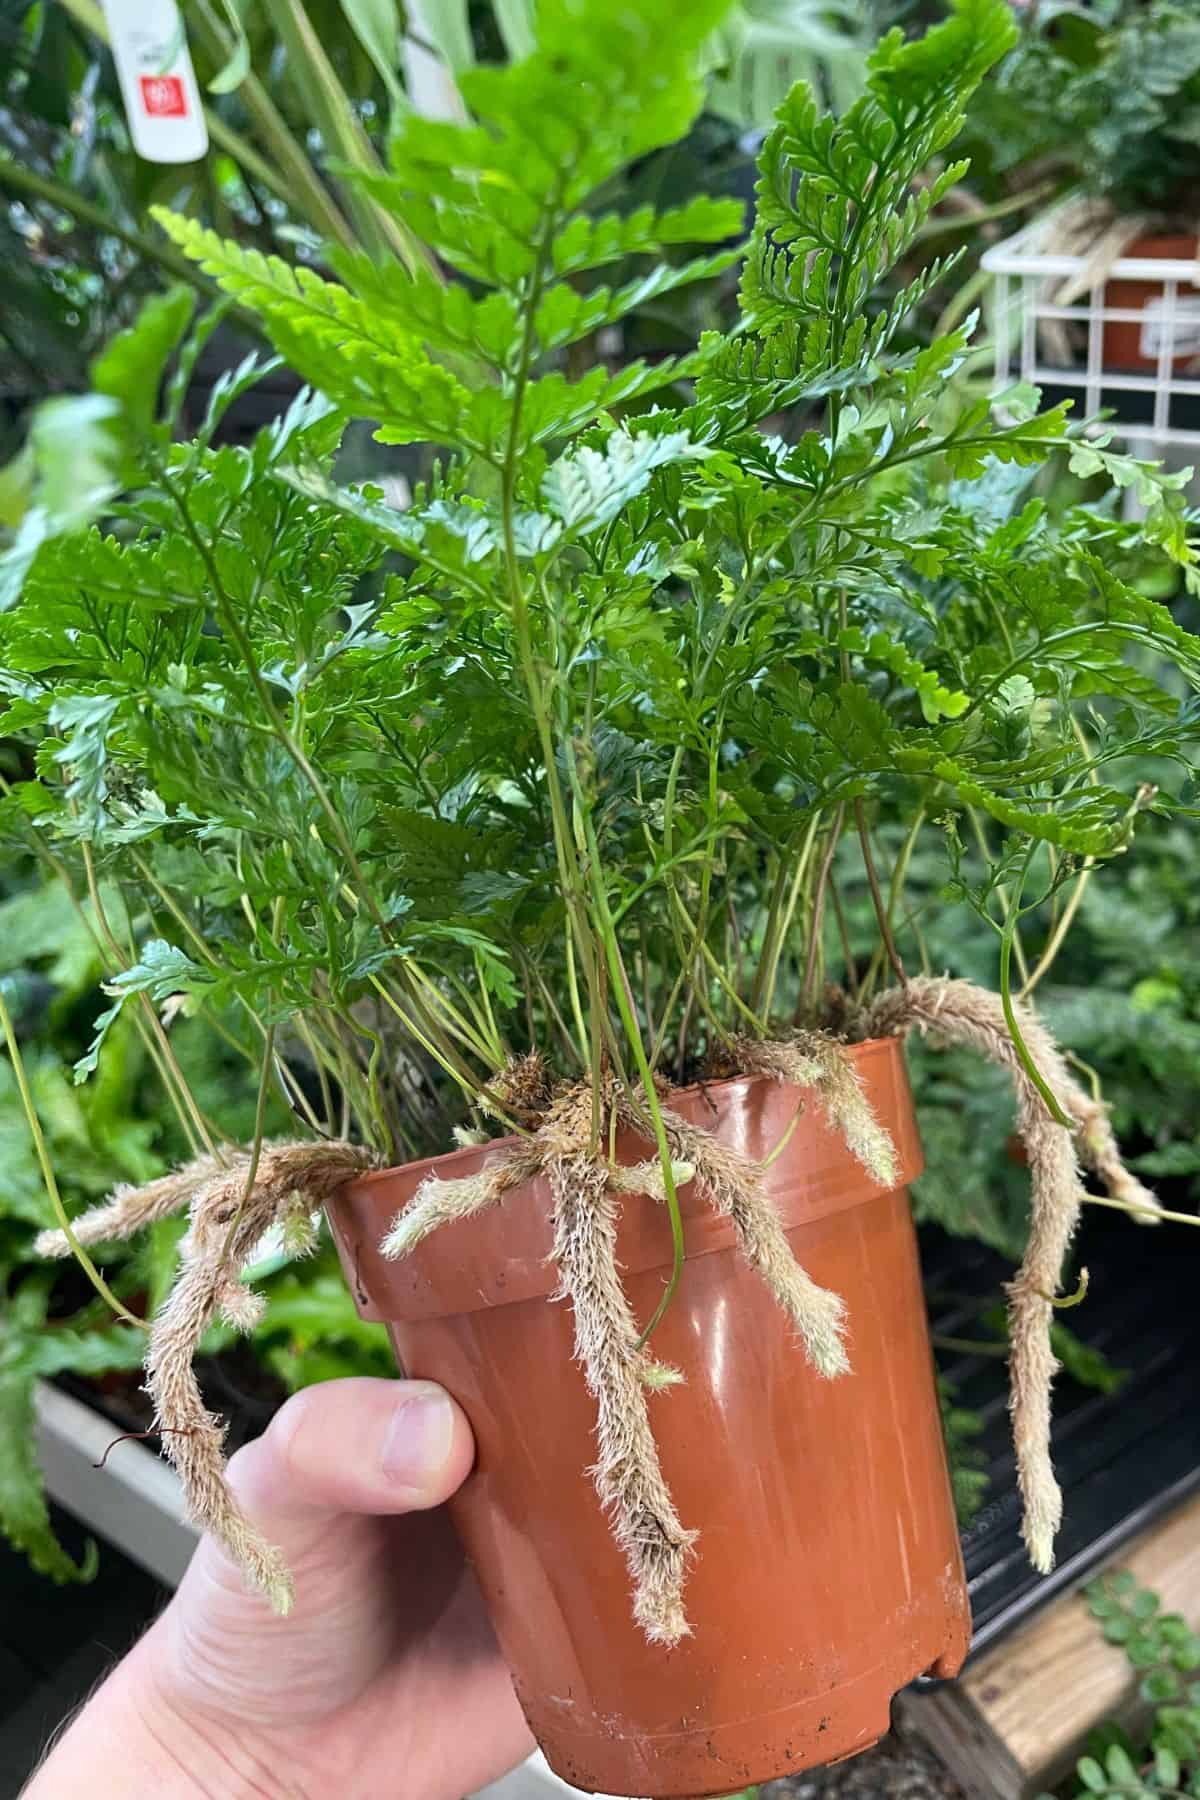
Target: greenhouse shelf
column 133, row 1502
column 1121, row 1458
column 1156, row 408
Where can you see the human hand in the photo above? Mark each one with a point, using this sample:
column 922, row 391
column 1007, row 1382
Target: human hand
column 384, row 1680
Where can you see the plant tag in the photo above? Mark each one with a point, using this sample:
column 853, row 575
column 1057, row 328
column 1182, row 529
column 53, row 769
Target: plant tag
column 158, row 85
column 1179, row 330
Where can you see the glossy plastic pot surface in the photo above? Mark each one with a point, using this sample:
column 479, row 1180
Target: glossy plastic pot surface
column 827, row 1572
column 1133, row 344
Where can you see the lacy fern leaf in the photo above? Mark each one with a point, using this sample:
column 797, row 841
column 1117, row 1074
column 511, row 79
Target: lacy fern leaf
column 836, row 210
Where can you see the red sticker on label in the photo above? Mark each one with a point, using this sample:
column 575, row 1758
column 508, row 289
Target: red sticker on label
column 163, row 96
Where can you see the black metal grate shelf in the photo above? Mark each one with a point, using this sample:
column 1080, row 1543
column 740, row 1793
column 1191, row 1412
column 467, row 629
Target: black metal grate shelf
column 1120, row 1458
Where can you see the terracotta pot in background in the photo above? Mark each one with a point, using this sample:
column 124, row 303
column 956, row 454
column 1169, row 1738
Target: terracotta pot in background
column 1127, row 342
column 827, row 1572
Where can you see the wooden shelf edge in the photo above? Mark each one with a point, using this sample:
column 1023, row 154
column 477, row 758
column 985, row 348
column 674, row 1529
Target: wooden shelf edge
column 1018, row 1718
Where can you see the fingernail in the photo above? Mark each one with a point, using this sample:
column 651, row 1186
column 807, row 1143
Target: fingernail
column 418, row 1438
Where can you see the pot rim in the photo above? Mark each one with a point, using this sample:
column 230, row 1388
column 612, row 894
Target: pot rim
column 446, row 1161
column 1173, row 244
column 503, row 1255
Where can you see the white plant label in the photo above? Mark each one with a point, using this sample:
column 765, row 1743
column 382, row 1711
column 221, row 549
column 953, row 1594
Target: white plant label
column 1179, row 331
column 158, row 83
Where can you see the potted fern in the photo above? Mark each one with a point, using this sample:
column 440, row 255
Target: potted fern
column 515, row 818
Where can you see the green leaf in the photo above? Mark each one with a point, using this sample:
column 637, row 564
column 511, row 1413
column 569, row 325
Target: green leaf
column 16, row 488
column 90, row 1060
column 237, row 68
column 837, row 209
column 447, row 25
column 363, row 358
column 376, row 25
column 630, row 73
column 1166, row 1767
column 1092, row 1369
column 74, row 456
column 24, row 1516
column 87, row 720
column 937, row 701
column 1120, row 1766
column 588, row 488
column 516, row 25
column 161, row 970
column 41, row 924
column 131, row 368
column 903, row 74
column 590, row 243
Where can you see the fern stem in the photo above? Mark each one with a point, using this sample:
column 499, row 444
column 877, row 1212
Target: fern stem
column 633, row 1034
column 881, row 913
column 295, row 750
column 1063, row 924
column 176, row 1079
column 58, row 868
column 48, row 1176
column 779, row 930
column 29, row 184
column 1002, row 894
column 1126, row 1206
column 570, row 875
column 817, row 921
column 1010, row 1017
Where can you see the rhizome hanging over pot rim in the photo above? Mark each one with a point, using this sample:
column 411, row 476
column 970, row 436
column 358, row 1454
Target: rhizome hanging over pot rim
column 231, row 1205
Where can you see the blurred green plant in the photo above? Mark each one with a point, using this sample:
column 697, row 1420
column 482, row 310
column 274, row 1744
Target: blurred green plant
column 1162, row 1754
column 110, row 1130
column 1108, row 95
column 962, row 1428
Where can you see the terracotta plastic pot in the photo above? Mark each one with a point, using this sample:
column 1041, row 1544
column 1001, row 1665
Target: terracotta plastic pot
column 1132, row 344
column 827, row 1572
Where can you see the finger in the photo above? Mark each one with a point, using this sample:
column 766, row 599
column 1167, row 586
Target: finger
column 357, row 1446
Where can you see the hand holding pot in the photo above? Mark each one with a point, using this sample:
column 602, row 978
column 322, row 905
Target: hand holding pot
column 383, row 1680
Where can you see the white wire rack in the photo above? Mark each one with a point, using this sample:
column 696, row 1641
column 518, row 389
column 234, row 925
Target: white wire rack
column 1155, row 402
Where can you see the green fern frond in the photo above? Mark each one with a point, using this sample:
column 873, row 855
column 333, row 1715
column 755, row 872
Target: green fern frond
column 288, row 297
column 552, row 406
column 604, row 86
column 587, row 488
column 443, row 315
column 358, row 354
column 837, row 209
column 588, row 243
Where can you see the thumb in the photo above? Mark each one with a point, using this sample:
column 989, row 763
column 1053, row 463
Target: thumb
column 355, row 1446
column 337, row 1464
